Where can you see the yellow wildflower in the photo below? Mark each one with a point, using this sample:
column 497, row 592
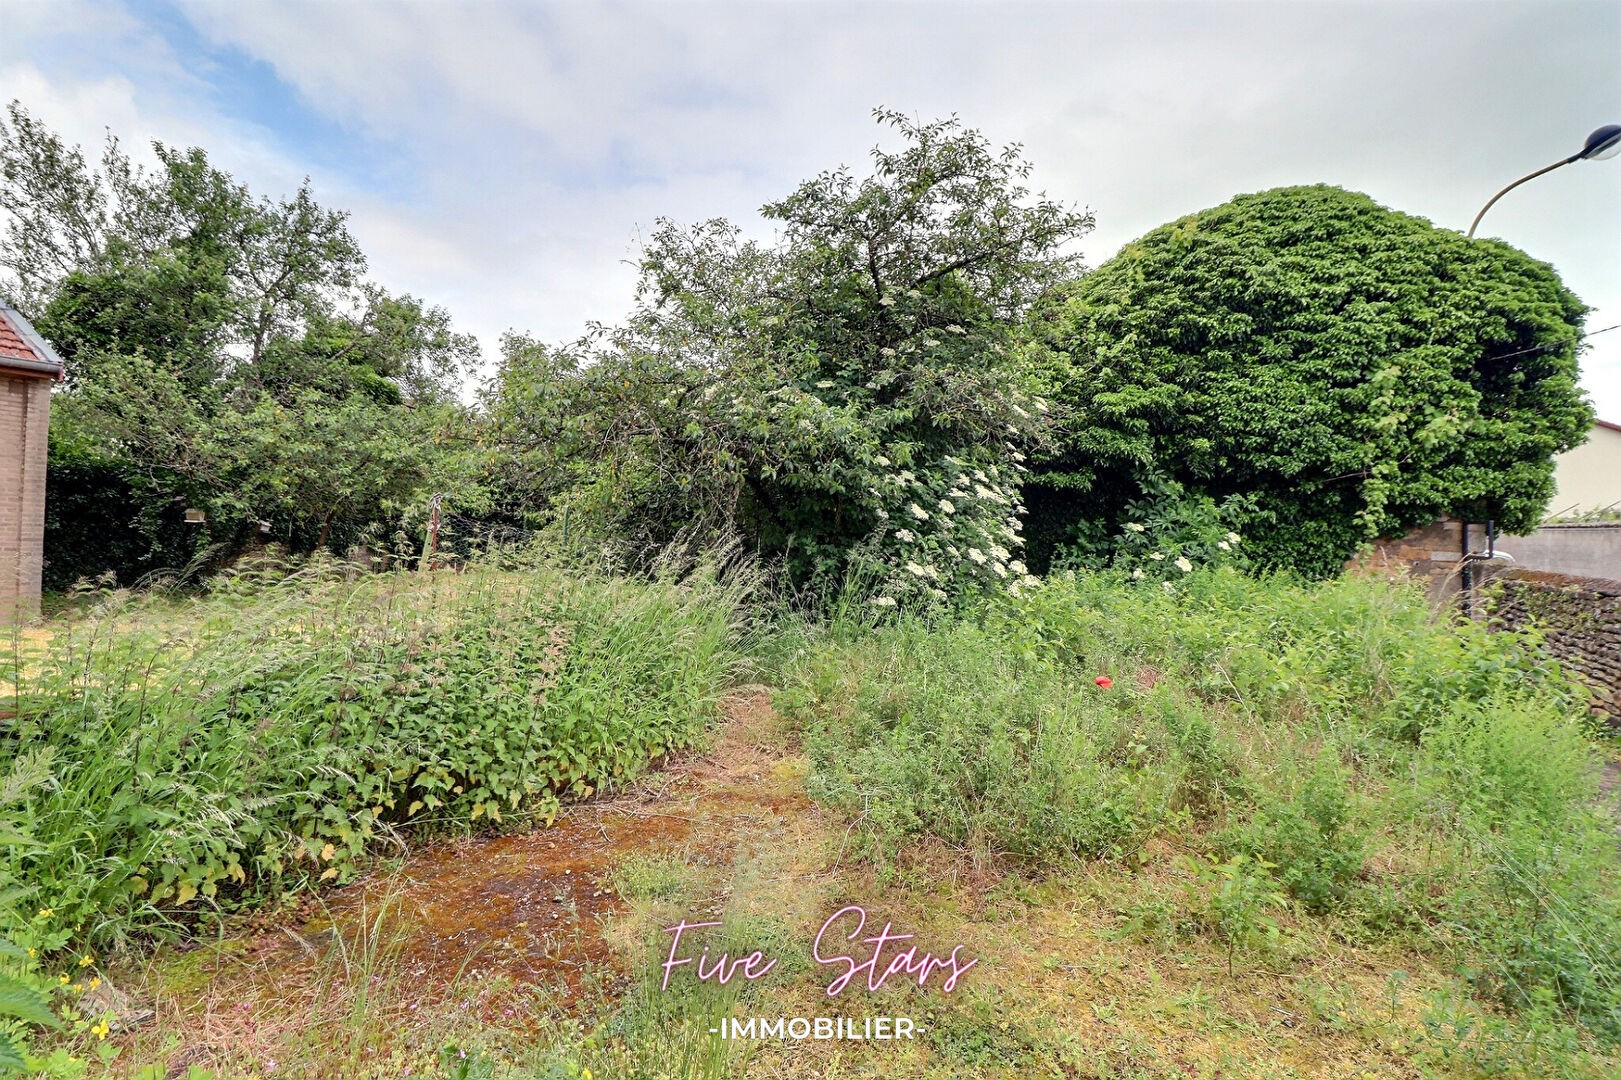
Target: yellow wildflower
column 77, row 988
column 33, row 953
column 63, row 979
column 46, row 913
column 100, row 1030
column 95, row 982
column 86, row 960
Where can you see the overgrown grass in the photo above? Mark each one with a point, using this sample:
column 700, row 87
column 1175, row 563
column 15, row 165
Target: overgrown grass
column 194, row 755
column 1336, row 745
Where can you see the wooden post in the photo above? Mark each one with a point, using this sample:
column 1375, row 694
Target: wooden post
column 432, row 547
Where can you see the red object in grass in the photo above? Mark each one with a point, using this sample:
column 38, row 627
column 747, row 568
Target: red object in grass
column 1104, row 681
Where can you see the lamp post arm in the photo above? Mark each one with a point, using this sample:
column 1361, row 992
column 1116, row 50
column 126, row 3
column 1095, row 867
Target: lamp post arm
column 1515, row 184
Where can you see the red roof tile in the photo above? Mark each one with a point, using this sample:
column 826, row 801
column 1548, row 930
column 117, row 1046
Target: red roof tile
column 23, row 351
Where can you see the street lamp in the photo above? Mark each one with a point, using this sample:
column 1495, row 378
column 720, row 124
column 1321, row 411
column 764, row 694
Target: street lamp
column 1603, row 143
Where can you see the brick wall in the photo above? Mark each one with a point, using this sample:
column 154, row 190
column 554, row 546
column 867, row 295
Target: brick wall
column 1581, row 618
column 24, row 420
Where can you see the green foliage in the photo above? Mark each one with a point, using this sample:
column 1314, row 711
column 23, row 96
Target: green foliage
column 1309, row 838
column 222, row 355
column 268, row 737
column 1289, row 737
column 806, row 396
column 1352, row 370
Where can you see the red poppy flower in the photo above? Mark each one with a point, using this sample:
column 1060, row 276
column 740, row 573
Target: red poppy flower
column 1104, row 681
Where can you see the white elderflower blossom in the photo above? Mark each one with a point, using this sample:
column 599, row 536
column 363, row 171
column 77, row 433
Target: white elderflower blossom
column 1157, row 556
column 1224, row 545
column 882, row 461
column 1040, row 404
column 979, row 474
column 906, row 476
column 1132, row 526
column 1015, row 407
column 999, row 569
column 916, row 571
column 887, row 301
column 931, row 342
column 938, row 594
column 977, row 555
column 883, row 515
column 1137, row 574
column 955, row 329
column 918, row 512
column 1168, row 587
column 1018, row 567
column 1030, row 581
column 984, row 492
column 824, row 384
column 884, row 601
column 946, row 506
column 905, row 536
column 1183, row 565
column 999, row 552
column 1233, row 538
column 951, row 550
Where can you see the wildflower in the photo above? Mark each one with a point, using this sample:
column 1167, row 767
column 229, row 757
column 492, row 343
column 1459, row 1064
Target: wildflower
column 946, row 505
column 1031, row 580
column 905, row 476
column 905, row 536
column 931, row 342
column 887, row 301
column 1224, row 545
column 884, row 601
column 1018, row 567
column 1137, row 574
column 1015, row 407
column 999, row 551
column 1168, row 587
column 955, row 329
column 63, row 979
column 86, row 960
column 979, row 474
column 1233, row 538
column 882, row 461
column 825, row 384
column 916, row 570
column 95, row 982
column 101, row 1029
column 1001, row 571
column 883, row 515
column 977, row 555
column 1134, row 526
column 1183, row 565
column 952, row 551
column 1104, row 681
column 32, row 953
column 46, row 913
column 1157, row 556
column 918, row 512
column 1040, row 404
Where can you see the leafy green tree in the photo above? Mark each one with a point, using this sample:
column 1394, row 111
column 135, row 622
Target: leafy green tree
column 847, row 398
column 223, row 354
column 1343, row 370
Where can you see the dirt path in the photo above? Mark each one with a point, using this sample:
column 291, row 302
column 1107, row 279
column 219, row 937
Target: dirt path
column 523, row 917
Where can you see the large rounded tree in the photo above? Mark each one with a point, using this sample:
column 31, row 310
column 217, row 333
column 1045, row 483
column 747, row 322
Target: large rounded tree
column 1343, row 370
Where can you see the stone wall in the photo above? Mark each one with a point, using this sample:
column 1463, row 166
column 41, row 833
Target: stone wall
column 1581, row 618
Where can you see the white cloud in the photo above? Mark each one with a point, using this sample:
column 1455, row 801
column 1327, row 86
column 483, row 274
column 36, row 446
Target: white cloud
column 535, row 140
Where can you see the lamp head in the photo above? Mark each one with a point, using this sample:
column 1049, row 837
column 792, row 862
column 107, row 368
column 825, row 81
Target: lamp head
column 1603, row 143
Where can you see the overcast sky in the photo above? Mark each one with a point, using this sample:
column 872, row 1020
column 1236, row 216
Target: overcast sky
column 502, row 159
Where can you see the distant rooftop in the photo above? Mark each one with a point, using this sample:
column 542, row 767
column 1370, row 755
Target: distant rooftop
column 23, row 351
